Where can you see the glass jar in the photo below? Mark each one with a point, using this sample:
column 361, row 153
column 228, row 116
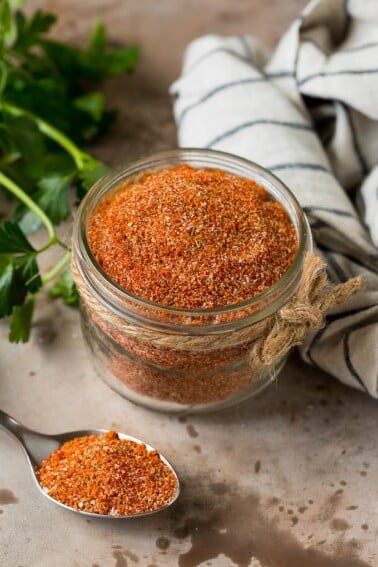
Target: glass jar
column 167, row 358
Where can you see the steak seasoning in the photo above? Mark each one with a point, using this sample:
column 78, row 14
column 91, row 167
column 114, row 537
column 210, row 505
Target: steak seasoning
column 178, row 259
column 109, row 475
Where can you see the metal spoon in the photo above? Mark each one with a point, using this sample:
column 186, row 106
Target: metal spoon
column 38, row 446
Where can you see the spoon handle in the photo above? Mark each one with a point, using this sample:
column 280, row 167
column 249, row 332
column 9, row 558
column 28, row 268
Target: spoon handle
column 31, row 441
column 12, row 426
column 36, row 445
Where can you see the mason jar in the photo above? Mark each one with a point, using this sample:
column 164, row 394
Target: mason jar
column 172, row 359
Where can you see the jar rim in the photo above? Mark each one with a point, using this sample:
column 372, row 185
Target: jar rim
column 126, row 304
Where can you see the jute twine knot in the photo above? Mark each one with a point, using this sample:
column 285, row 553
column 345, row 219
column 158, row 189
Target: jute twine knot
column 267, row 340
column 306, row 310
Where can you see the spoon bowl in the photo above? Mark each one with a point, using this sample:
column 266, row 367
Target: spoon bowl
column 38, row 446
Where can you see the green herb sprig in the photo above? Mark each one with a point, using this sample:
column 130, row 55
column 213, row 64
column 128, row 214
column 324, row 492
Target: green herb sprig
column 49, row 109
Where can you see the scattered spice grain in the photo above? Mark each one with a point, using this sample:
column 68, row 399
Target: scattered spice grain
column 192, row 238
column 104, row 474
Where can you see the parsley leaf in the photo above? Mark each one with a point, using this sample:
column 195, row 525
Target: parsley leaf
column 53, row 196
column 7, row 27
column 27, row 269
column 13, row 240
column 21, row 272
column 50, row 106
column 28, row 142
column 21, row 321
column 66, row 289
column 12, row 288
column 93, row 104
column 30, row 29
column 93, row 171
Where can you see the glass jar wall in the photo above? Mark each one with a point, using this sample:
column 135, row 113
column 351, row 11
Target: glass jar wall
column 168, row 358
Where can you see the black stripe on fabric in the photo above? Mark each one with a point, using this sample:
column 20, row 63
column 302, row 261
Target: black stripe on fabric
column 251, row 123
column 341, row 275
column 359, row 262
column 220, row 88
column 301, row 17
column 318, row 224
column 299, row 165
column 347, row 17
column 361, row 207
column 356, row 144
column 337, row 73
column 359, row 47
column 371, row 267
column 339, row 212
column 315, row 340
column 212, row 52
column 349, row 313
column 340, row 51
column 246, row 47
column 311, row 359
column 349, row 363
column 332, row 319
column 315, row 44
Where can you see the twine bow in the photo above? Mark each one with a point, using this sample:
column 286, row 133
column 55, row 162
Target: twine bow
column 305, row 310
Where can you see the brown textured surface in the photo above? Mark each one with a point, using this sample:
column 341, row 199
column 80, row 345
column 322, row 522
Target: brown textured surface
column 287, row 480
column 162, row 28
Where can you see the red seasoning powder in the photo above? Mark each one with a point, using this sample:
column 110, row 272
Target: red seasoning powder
column 104, row 474
column 192, row 238
column 188, row 238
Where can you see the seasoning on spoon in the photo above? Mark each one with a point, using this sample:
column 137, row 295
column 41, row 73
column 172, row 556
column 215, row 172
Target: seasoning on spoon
column 104, row 474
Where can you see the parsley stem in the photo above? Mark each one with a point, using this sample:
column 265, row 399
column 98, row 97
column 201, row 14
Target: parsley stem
column 50, row 131
column 57, row 268
column 32, row 205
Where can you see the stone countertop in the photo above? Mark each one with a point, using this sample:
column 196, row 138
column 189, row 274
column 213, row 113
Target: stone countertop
column 286, row 480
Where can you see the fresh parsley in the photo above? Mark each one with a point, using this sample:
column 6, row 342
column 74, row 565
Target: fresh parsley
column 49, row 109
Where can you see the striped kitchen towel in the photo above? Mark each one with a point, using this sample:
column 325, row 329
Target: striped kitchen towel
column 309, row 113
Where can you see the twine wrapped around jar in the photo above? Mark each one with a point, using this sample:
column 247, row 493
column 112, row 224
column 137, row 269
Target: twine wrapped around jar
column 269, row 339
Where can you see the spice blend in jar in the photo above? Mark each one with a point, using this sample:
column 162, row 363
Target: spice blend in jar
column 103, row 474
column 192, row 238
column 176, row 258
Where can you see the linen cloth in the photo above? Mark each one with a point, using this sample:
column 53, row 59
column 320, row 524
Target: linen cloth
column 309, row 114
